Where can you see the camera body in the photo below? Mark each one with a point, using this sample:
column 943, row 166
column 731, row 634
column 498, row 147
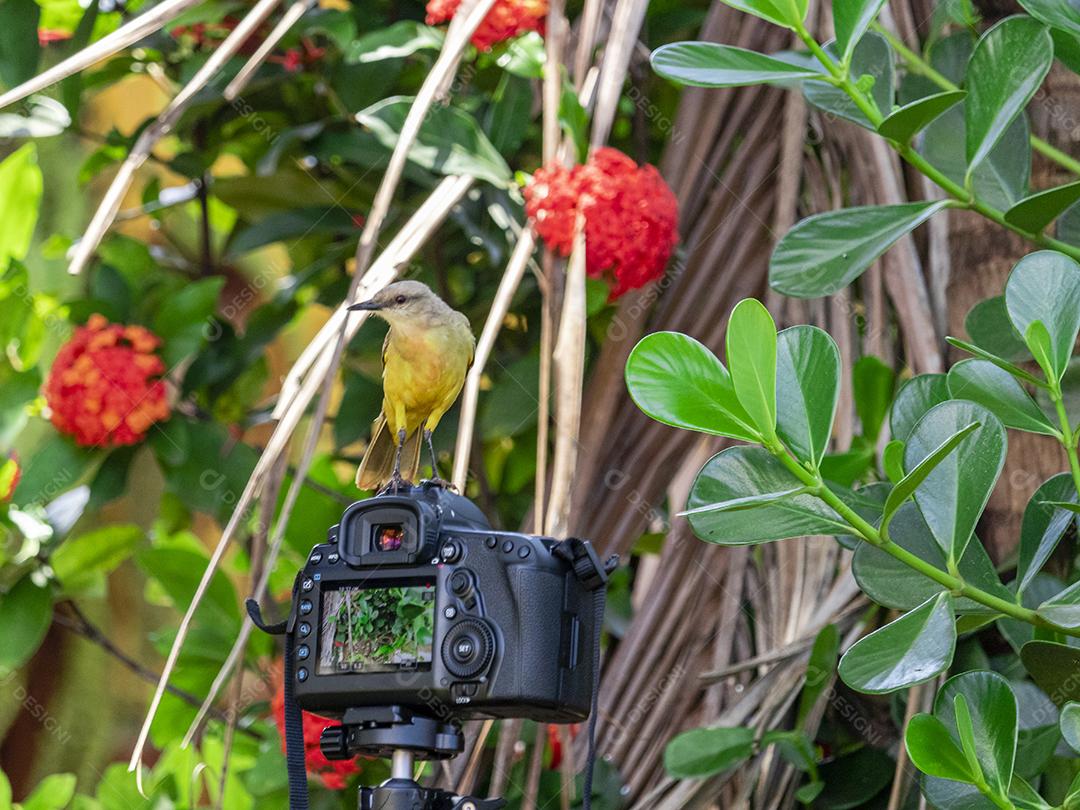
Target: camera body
column 415, row 601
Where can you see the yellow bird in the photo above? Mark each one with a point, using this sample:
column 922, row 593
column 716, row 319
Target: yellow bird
column 426, row 355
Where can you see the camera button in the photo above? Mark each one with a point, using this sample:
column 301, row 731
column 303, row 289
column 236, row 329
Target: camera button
column 332, row 557
column 524, row 552
column 464, row 649
column 306, row 607
column 307, row 585
column 461, row 583
column 301, row 674
column 450, row 612
column 490, row 541
column 450, row 551
column 316, row 558
column 303, row 651
column 305, row 629
column 508, row 546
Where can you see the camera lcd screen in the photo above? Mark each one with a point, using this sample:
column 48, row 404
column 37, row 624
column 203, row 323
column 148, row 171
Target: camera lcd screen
column 368, row 629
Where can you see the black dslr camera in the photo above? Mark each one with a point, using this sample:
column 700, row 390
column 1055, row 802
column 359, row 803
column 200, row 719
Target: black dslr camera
column 415, row 602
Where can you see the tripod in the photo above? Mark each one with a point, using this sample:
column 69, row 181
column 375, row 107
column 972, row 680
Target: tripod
column 398, row 734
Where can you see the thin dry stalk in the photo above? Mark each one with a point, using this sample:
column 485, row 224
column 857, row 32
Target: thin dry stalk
column 629, row 15
column 290, row 18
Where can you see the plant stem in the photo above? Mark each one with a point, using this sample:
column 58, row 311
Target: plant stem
column 917, row 63
column 862, row 528
column 955, row 190
column 1068, row 438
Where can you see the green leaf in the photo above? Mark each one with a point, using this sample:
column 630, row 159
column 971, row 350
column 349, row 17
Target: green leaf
column 1000, row 362
column 994, row 721
column 849, row 466
column 449, row 142
column 807, row 389
column 54, row 467
column 999, row 392
column 1053, row 667
column 892, row 460
column 874, row 384
column 1057, row 13
column 895, row 585
column 915, row 397
column 183, row 322
column 851, row 19
column 703, row 752
column 524, row 56
column 1007, row 67
column 779, row 12
column 903, row 124
column 988, row 325
column 394, row 42
column 707, row 64
column 915, row 648
column 1039, row 342
column 871, row 63
column 1063, row 609
column 819, row 671
column 747, row 502
column 178, row 571
column 906, row 487
column 1070, row 724
column 751, row 355
column 932, row 750
column 21, row 186
column 19, row 48
column 824, row 253
column 1045, row 287
column 678, row 381
column 744, row 472
column 80, row 561
column 53, row 793
column 953, row 495
column 25, row 615
column 1034, row 213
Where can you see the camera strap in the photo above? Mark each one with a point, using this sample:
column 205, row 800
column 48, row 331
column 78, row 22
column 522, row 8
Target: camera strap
column 594, row 575
column 294, row 720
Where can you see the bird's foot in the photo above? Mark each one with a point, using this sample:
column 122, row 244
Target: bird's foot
column 395, row 485
column 440, row 482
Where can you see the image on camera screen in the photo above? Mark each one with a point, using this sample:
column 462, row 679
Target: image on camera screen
column 376, row 629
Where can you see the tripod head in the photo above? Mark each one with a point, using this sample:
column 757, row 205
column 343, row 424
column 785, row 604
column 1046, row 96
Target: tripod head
column 402, row 736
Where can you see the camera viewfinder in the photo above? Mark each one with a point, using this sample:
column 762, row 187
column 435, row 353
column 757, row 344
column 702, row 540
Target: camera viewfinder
column 388, row 536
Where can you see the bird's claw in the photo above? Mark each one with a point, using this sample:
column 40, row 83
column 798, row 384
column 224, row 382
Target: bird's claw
column 394, row 485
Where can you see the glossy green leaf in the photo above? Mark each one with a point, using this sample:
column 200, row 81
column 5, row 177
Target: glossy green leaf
column 988, row 325
column 746, row 502
column 915, row 397
column 54, row 792
column 953, row 495
column 903, row 124
column 1063, row 609
column 708, row 64
column 906, row 487
column 1039, row 734
column 678, row 381
column 819, row 670
column 932, row 750
column 915, row 648
column 999, row 392
column 779, row 12
column 55, row 466
column 1007, row 67
column 1061, row 14
column 1053, row 667
column 1043, row 526
column 892, row 460
column 751, row 356
column 1002, row 178
column 994, row 721
column 396, row 41
column 873, row 385
column 1070, row 724
column 21, row 186
column 871, row 62
column 895, row 585
column 450, row 140
column 849, row 466
column 742, row 472
column 80, row 561
column 1045, row 287
column 1000, row 362
column 19, row 46
column 945, row 794
column 703, row 752
column 824, row 253
column 807, row 389
column 1034, row 213
column 25, row 615
column 183, row 321
column 851, row 19
column 1037, row 337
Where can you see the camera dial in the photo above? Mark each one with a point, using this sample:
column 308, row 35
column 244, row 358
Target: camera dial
column 468, row 648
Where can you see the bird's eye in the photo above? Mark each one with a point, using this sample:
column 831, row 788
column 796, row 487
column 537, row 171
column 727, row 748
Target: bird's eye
column 401, row 299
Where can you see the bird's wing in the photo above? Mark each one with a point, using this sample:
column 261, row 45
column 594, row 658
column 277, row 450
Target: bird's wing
column 385, row 345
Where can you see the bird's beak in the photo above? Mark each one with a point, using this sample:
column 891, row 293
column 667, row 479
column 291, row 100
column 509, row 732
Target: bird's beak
column 370, row 306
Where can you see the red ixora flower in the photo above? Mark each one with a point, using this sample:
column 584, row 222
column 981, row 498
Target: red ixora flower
column 105, row 387
column 333, row 773
column 507, row 19
column 631, row 216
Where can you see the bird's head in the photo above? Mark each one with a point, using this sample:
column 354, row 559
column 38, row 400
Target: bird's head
column 404, row 301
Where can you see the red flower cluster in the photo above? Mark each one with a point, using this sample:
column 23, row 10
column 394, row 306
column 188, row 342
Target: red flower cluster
column 104, row 388
column 507, row 19
column 333, row 773
column 631, row 216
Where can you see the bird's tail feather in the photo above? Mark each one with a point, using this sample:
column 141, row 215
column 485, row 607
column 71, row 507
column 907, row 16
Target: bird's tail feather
column 378, row 463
